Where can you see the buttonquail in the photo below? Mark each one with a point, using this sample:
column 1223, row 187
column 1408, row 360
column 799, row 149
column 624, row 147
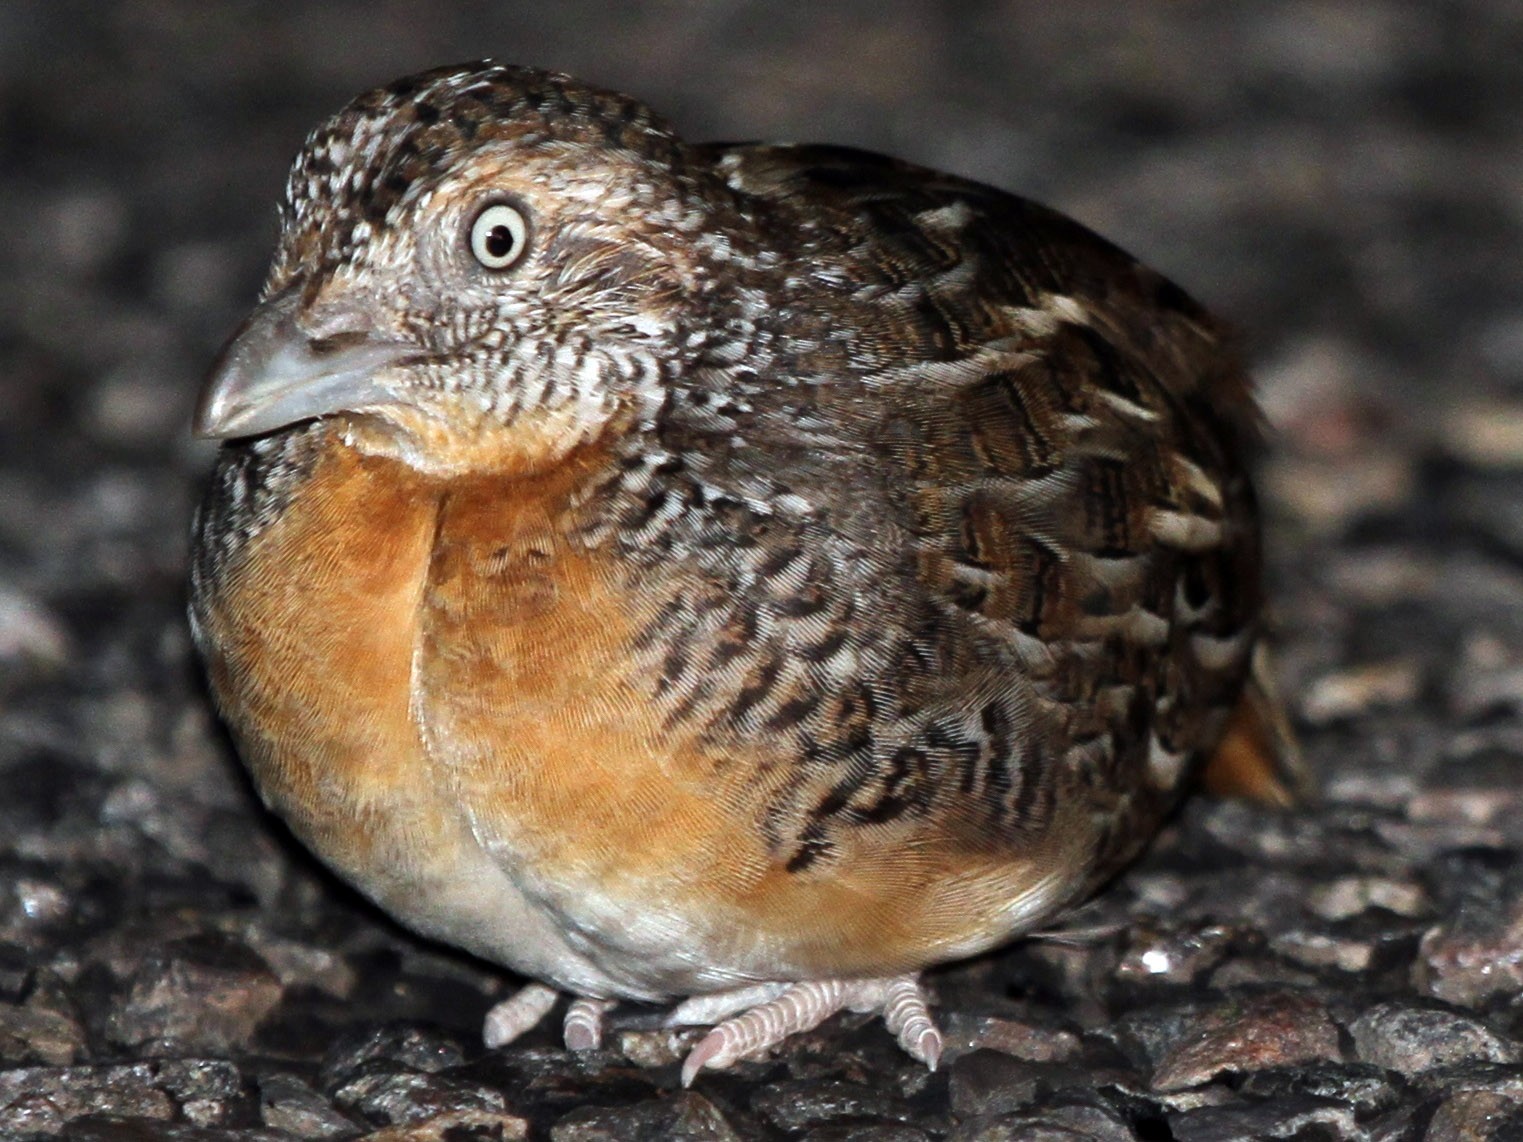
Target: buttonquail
column 750, row 574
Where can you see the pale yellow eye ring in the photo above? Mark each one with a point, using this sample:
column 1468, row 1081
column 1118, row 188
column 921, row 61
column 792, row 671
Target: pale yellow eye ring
column 499, row 236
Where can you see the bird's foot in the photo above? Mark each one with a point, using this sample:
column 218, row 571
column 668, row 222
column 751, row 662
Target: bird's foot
column 517, row 1014
column 747, row 1020
column 770, row 1013
column 582, row 1029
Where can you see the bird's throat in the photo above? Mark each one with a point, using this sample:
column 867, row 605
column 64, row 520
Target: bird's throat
column 459, row 444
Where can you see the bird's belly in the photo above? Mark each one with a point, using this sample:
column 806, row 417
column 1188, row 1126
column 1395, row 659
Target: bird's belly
column 436, row 690
column 643, row 834
column 310, row 636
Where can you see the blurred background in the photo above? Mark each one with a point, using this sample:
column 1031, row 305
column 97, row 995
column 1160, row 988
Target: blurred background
column 1342, row 179
column 1325, row 172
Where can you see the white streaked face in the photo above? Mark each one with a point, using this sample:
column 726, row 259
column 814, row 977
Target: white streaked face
column 510, row 301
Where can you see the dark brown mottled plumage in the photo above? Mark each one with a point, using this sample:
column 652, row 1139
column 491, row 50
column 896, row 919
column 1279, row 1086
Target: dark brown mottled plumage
column 754, row 573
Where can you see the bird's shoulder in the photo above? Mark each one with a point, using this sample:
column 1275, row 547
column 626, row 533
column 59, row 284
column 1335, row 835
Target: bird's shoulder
column 977, row 470
column 979, row 378
column 961, row 264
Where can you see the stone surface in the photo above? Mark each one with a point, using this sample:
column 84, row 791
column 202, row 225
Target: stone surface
column 686, row 1117
column 48, row 1100
column 1293, row 1117
column 1260, row 1033
column 797, row 1104
column 1018, row 1035
column 290, row 1105
column 1060, row 1124
column 193, row 995
column 1476, row 1116
column 450, row 1125
column 1417, row 1040
column 1338, row 177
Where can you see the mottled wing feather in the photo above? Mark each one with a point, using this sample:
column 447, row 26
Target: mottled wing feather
column 1066, row 563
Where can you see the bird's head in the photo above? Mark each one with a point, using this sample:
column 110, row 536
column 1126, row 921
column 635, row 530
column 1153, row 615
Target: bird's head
column 478, row 266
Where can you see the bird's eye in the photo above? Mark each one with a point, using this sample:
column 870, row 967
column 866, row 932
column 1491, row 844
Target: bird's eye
column 499, row 236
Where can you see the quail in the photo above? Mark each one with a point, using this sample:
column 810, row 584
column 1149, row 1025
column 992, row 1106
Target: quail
column 743, row 575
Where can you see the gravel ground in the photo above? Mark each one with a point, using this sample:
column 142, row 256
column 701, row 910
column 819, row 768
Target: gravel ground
column 1343, row 179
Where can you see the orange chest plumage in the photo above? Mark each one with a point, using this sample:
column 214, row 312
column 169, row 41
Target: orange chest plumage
column 428, row 684
column 433, row 683
column 392, row 637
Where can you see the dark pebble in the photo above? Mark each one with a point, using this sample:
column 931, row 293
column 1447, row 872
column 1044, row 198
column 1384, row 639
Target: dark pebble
column 196, row 995
column 685, row 1117
column 797, row 1104
column 1293, row 1117
column 45, row 1100
column 288, row 1104
column 1415, row 1039
column 1058, row 1124
column 1258, row 1033
column 1476, row 1116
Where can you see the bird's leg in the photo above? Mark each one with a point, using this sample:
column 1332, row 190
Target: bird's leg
column 750, row 1019
column 720, row 1005
column 517, row 1013
column 583, row 1028
column 908, row 1018
column 802, row 1006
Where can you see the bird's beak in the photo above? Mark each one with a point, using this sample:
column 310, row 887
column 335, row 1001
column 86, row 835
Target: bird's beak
column 272, row 373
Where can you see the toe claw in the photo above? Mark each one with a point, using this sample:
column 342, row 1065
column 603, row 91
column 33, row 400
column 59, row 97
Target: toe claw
column 716, row 1050
column 516, row 1014
column 927, row 1048
column 583, row 1028
column 798, row 1007
column 908, row 1017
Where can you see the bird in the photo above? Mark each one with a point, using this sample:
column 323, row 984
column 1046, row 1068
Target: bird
column 734, row 576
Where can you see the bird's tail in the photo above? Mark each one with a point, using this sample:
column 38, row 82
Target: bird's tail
column 1259, row 757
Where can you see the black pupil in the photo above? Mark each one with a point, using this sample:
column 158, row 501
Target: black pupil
column 499, row 241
